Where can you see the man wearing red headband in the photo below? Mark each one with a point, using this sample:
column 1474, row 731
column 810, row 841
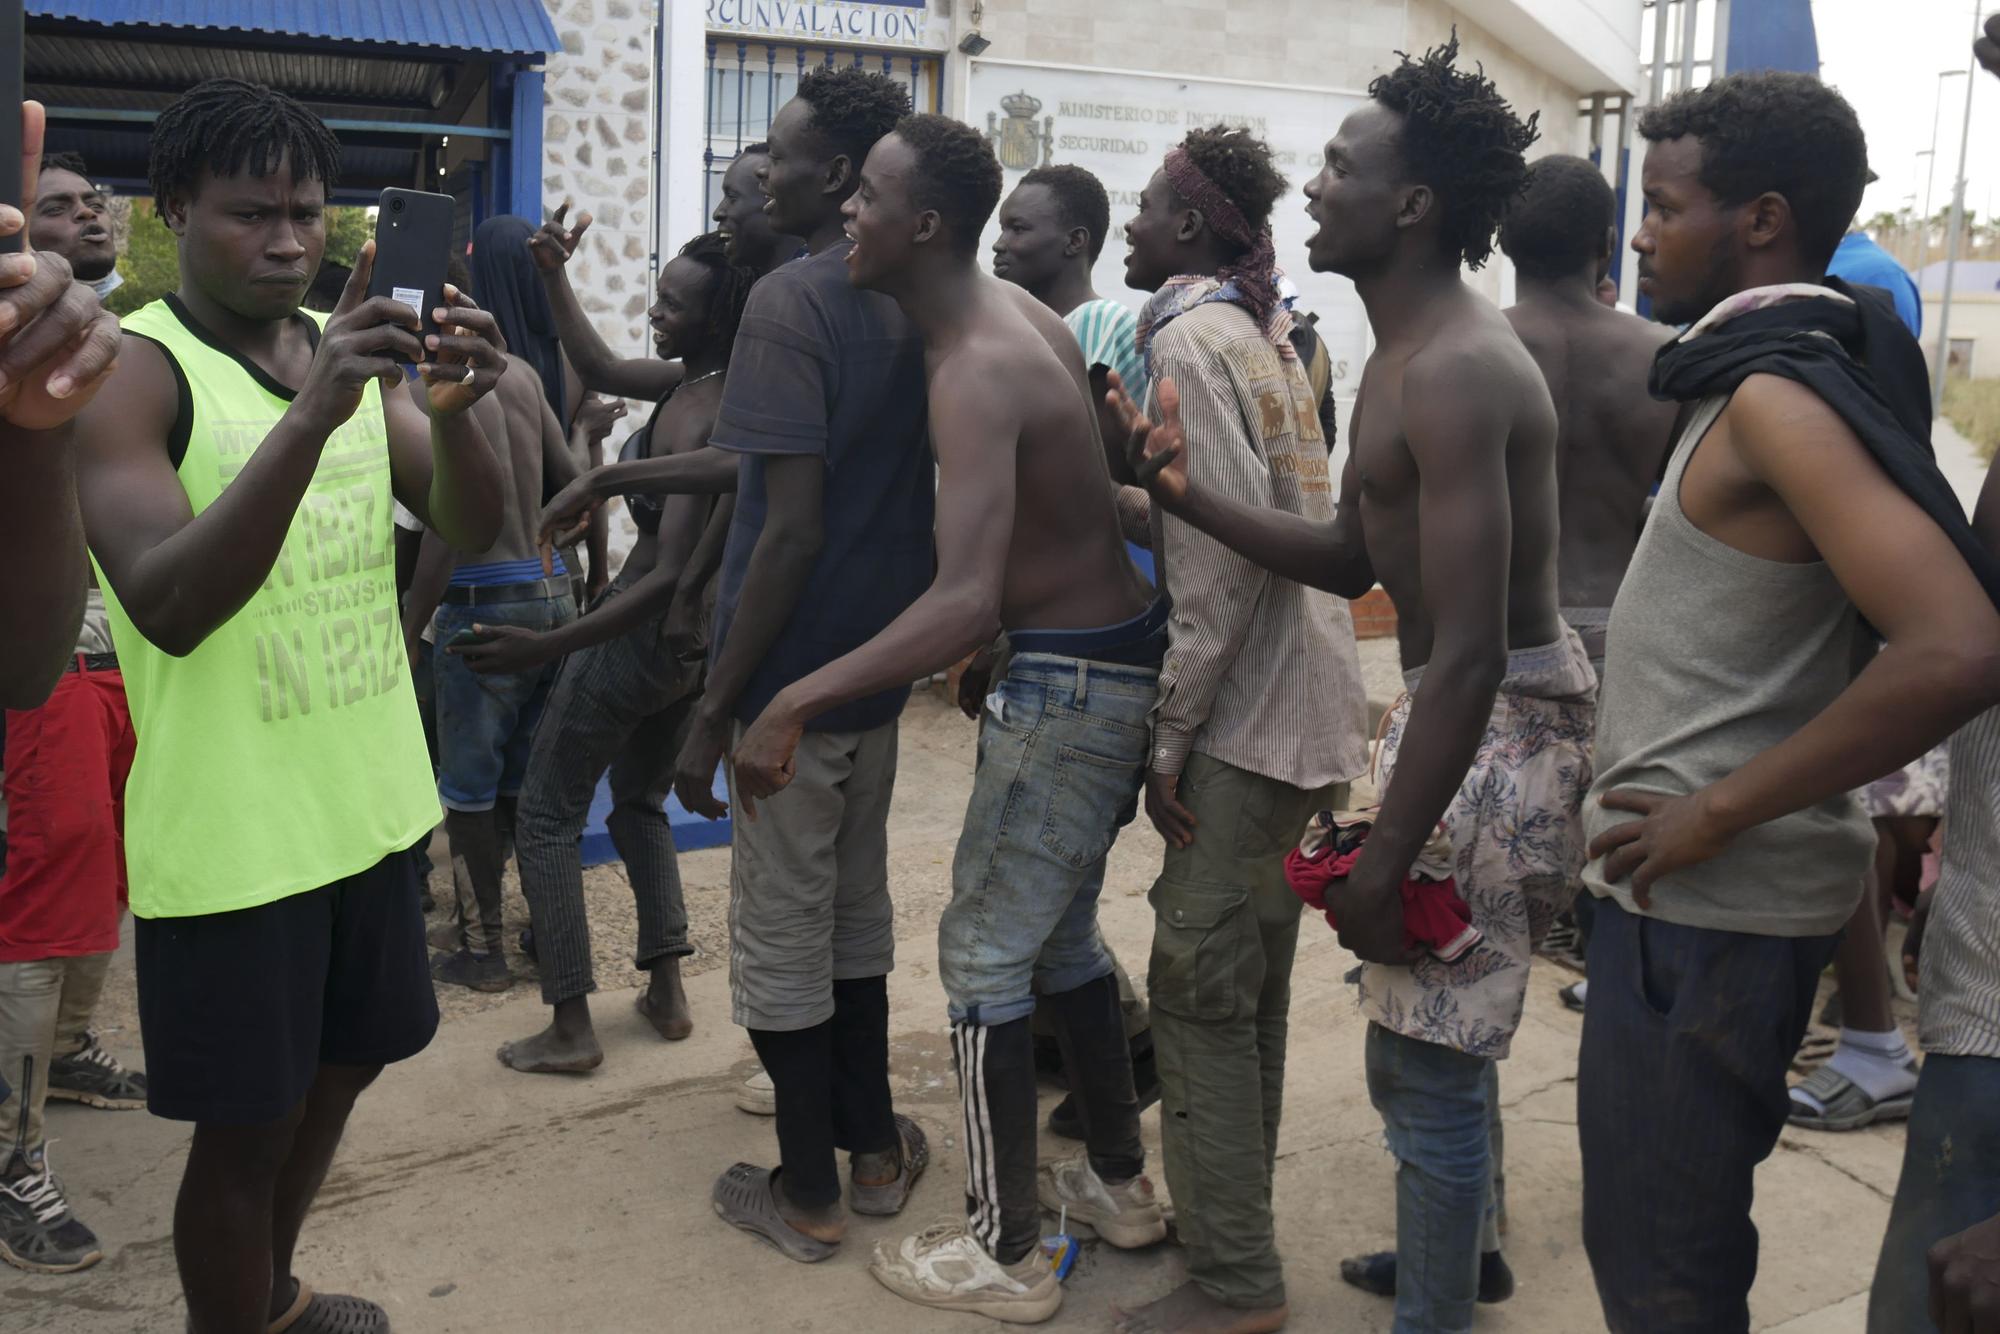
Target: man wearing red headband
column 1260, row 722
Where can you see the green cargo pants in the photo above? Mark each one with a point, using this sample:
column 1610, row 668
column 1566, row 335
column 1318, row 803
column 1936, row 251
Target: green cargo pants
column 1220, row 985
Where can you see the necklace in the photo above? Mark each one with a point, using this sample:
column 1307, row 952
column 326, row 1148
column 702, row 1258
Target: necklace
column 705, row 375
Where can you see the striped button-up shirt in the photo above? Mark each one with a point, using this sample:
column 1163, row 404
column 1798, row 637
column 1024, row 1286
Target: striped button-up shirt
column 1958, row 996
column 1261, row 673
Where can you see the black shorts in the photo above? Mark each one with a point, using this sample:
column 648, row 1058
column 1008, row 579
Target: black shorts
column 238, row 1010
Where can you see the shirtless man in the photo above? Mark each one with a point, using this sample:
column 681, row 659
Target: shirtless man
column 1449, row 496
column 1611, row 435
column 1027, row 540
column 486, row 722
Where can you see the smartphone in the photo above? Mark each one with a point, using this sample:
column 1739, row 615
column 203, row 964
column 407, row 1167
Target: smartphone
column 466, row 638
column 412, row 247
column 11, row 56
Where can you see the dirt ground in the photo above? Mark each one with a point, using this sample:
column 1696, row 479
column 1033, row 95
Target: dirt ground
column 470, row 1198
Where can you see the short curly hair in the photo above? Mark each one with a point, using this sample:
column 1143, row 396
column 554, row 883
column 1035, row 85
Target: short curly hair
column 1080, row 201
column 1560, row 221
column 956, row 174
column 69, row 162
column 1776, row 132
column 1461, row 138
column 1240, row 164
column 852, row 108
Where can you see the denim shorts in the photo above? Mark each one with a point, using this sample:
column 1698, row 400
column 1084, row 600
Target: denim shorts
column 485, row 723
column 1062, row 753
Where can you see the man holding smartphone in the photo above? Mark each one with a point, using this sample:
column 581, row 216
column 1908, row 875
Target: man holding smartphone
column 238, row 500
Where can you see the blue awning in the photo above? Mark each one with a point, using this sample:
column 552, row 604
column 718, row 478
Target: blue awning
column 505, row 27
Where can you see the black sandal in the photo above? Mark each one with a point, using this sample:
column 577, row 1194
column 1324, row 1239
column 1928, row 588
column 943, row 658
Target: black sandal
column 743, row 1199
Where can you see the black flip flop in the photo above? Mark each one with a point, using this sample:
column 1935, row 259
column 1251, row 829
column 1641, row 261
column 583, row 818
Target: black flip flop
column 743, row 1199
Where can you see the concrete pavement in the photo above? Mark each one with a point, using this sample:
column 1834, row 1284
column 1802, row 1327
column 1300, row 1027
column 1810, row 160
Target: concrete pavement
column 469, row 1198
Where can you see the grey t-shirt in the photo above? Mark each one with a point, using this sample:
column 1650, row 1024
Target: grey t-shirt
column 1715, row 656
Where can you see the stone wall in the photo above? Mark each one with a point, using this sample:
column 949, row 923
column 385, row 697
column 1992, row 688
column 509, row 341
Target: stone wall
column 1339, row 44
column 597, row 152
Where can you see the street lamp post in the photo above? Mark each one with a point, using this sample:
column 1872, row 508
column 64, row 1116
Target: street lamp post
column 1930, row 174
column 1951, row 245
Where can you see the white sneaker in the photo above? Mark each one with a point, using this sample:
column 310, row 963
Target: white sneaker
column 944, row 1268
column 757, row 1095
column 1126, row 1215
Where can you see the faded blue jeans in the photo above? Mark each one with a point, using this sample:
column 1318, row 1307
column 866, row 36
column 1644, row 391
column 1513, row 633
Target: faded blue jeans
column 1951, row 1180
column 1062, row 752
column 1440, row 1112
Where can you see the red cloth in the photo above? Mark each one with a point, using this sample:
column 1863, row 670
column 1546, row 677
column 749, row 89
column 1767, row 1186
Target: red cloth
column 66, row 767
column 1435, row 917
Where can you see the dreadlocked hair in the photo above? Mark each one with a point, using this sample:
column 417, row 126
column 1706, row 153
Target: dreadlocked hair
column 69, row 162
column 1080, row 201
column 852, row 108
column 728, row 290
column 1461, row 138
column 1240, row 165
column 226, row 126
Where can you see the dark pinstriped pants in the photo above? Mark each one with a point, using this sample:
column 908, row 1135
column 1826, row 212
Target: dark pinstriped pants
column 625, row 706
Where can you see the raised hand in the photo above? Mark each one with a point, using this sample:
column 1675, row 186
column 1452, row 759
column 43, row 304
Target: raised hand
column 367, row 338
column 467, row 358
column 598, row 415
column 57, row 345
column 554, row 241
column 1155, row 450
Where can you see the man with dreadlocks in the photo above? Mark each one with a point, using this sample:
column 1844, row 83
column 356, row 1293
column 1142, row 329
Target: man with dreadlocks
column 623, row 701
column 1260, row 720
column 1450, row 497
column 236, row 483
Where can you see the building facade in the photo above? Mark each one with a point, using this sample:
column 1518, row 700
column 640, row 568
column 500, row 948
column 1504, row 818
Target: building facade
column 1106, row 84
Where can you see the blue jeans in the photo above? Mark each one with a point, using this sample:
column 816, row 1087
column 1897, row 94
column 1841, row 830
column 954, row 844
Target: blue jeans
column 485, row 723
column 1951, row 1180
column 1439, row 1110
column 1061, row 759
column 1680, row 1093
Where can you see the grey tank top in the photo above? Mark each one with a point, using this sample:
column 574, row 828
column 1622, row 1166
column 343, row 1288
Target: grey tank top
column 1714, row 656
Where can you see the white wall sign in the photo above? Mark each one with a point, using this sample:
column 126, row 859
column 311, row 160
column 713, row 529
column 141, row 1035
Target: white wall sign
column 1120, row 126
column 884, row 23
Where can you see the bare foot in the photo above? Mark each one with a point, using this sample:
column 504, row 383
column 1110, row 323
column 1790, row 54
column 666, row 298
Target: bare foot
column 826, row 1224
column 550, row 1052
column 669, row 1019
column 1189, row 1310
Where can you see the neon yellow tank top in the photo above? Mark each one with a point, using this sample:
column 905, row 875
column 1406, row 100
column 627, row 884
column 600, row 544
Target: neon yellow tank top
column 285, row 752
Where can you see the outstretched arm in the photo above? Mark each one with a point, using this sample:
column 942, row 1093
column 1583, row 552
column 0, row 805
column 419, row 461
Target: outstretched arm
column 976, row 430
column 1458, row 440
column 1324, row 555
column 599, row 367
column 707, row 471
column 1939, row 665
